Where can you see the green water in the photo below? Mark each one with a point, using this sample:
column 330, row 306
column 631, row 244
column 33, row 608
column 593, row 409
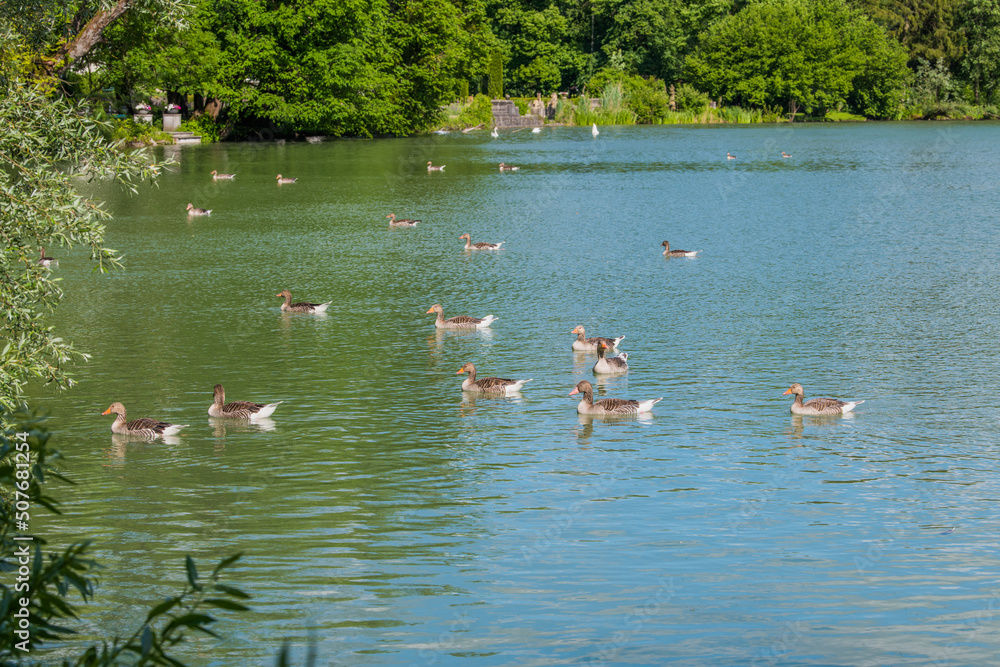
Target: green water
column 386, row 519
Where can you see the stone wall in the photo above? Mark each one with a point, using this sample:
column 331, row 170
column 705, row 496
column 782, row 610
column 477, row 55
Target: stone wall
column 505, row 114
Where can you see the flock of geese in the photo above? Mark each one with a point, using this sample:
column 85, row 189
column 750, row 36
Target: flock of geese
column 246, row 411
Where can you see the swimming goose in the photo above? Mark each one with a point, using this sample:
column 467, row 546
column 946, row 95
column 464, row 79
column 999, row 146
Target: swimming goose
column 495, row 133
column 407, row 222
column 216, row 176
column 143, row 427
column 593, row 130
column 610, row 365
column 431, row 167
column 302, row 306
column 667, row 252
column 507, row 167
column 730, row 157
column 818, row 406
column 460, row 321
column 784, row 154
column 582, row 344
column 488, row 385
column 609, row 406
column 482, row 245
column 193, row 210
column 285, row 180
column 239, row 409
column 46, row 261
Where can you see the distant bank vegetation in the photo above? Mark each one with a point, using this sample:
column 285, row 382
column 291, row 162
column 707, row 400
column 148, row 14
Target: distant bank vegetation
column 245, row 69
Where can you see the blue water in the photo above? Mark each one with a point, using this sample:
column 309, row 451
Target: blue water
column 386, row 519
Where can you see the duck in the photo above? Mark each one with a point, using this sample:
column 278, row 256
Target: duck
column 142, row 427
column 488, row 385
column 393, row 222
column 431, row 167
column 285, row 180
column 239, row 409
column 194, row 210
column 667, row 252
column 46, row 261
column 303, row 306
column 460, row 321
column 482, row 245
column 784, row 154
column 508, row 167
column 593, row 130
column 818, row 406
column 216, row 176
column 610, row 365
column 730, row 157
column 495, row 133
column 609, row 406
column 536, row 130
column 582, row 344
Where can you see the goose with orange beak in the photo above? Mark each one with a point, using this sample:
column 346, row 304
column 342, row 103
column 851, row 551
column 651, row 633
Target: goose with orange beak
column 818, row 406
column 459, row 321
column 147, row 429
column 582, row 344
column 488, row 385
column 609, row 406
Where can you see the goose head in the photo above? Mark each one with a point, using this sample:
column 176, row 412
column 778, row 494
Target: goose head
column 795, row 389
column 582, row 387
column 467, row 367
column 284, row 293
column 578, row 330
column 436, row 308
column 115, row 408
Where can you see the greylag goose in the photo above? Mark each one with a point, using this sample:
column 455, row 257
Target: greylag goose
column 593, row 130
column 216, row 176
column 609, row 406
column 46, row 261
column 239, row 409
column 194, row 210
column 393, row 222
column 582, row 344
column 142, row 427
column 610, row 365
column 784, row 154
column 818, row 406
column 482, row 245
column 488, row 385
column 282, row 180
column 495, row 133
column 460, row 321
column 667, row 252
column 431, row 167
column 730, row 157
column 508, row 167
column 302, row 306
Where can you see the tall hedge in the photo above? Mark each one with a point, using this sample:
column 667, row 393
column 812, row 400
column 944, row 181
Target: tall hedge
column 495, row 87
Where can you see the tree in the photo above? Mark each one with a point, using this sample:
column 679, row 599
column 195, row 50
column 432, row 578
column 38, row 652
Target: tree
column 794, row 54
column 980, row 19
column 927, row 29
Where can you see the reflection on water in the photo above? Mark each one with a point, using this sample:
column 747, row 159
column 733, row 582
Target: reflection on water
column 393, row 519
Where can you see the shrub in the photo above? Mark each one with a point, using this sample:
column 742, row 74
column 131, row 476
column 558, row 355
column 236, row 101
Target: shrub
column 689, row 98
column 205, row 126
column 480, row 112
column 127, row 130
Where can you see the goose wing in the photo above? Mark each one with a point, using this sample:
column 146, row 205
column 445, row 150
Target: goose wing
column 146, row 424
column 241, row 409
column 488, row 384
column 305, row 304
column 824, row 404
column 619, row 406
column 464, row 319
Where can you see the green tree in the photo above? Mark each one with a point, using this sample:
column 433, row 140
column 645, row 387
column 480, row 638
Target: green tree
column 538, row 46
column 980, row 19
column 927, row 29
column 795, row 54
column 648, row 36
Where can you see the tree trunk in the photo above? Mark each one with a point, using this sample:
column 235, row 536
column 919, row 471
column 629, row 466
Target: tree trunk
column 79, row 46
column 793, row 107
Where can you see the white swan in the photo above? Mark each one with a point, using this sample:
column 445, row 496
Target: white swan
column 593, row 130
column 536, row 130
column 495, row 133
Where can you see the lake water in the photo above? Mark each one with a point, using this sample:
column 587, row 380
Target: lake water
column 386, row 519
